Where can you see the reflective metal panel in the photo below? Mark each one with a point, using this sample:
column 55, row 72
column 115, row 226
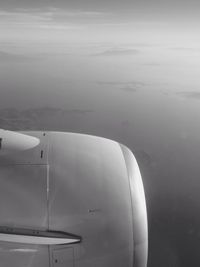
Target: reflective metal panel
column 23, row 196
column 13, row 142
column 90, row 197
column 63, row 257
column 18, row 255
column 35, row 155
column 23, row 204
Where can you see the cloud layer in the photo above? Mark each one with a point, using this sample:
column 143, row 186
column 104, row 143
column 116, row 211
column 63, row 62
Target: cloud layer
column 119, row 52
column 194, row 95
column 9, row 57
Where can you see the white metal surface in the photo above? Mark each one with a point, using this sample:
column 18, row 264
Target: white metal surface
column 13, row 142
column 36, row 240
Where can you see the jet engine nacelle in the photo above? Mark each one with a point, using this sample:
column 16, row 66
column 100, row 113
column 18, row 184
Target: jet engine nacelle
column 70, row 200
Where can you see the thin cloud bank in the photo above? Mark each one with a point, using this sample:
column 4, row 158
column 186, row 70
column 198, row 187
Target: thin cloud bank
column 189, row 49
column 49, row 24
column 119, row 52
column 121, row 83
column 152, row 64
column 195, row 95
column 129, row 89
column 77, row 111
column 50, row 17
column 9, row 57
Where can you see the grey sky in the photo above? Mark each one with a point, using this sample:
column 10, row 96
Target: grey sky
column 101, row 22
column 126, row 9
column 96, row 4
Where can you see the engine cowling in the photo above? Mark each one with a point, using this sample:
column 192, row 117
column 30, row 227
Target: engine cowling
column 72, row 200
